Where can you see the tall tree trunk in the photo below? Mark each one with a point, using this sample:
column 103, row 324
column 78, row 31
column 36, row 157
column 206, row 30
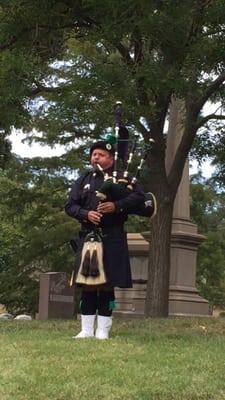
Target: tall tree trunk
column 157, row 296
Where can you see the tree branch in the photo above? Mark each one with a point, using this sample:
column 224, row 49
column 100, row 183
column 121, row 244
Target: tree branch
column 209, row 33
column 192, row 124
column 124, row 52
column 210, row 90
column 205, row 119
column 197, row 19
column 12, row 41
column 136, row 38
column 145, row 132
column 46, row 89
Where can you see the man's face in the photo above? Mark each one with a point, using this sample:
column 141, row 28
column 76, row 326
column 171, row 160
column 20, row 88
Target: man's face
column 102, row 157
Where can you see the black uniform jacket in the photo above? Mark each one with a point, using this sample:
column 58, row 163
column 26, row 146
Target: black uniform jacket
column 82, row 199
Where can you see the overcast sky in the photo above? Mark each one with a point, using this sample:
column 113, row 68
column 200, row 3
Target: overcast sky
column 33, row 150
column 36, row 150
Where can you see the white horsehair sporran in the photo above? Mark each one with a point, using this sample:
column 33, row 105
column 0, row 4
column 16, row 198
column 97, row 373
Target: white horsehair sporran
column 91, row 269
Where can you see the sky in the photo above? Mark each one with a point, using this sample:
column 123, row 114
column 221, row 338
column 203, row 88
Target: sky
column 33, row 150
column 24, row 149
column 205, row 168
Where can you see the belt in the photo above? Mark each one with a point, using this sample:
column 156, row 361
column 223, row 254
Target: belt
column 102, row 230
column 111, row 229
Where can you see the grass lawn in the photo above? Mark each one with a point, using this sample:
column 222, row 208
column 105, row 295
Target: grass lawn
column 182, row 358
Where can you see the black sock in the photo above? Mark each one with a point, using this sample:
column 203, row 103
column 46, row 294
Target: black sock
column 89, row 302
column 106, row 302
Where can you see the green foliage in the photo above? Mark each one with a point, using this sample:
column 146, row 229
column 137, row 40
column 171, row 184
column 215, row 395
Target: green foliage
column 66, row 63
column 208, row 205
column 137, row 224
column 34, row 232
column 5, row 148
column 211, row 270
column 63, row 64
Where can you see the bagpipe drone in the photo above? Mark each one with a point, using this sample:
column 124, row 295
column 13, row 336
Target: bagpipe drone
column 120, row 185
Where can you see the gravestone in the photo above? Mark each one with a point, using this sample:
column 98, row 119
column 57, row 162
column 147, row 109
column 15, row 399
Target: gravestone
column 56, row 297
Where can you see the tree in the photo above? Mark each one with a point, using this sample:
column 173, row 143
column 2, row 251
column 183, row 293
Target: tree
column 34, row 231
column 207, row 211
column 141, row 52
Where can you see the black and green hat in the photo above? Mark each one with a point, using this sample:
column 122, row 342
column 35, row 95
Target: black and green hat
column 103, row 145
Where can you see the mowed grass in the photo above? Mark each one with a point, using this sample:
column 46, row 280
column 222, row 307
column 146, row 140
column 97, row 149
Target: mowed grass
column 169, row 359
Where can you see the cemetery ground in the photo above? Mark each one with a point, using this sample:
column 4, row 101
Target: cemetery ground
column 163, row 359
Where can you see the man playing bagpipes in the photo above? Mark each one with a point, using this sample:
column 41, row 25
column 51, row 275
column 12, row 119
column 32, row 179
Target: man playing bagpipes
column 102, row 258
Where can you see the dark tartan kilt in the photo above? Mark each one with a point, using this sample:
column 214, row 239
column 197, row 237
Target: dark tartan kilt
column 115, row 257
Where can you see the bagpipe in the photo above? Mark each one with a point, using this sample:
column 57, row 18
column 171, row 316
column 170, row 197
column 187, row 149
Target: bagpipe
column 119, row 185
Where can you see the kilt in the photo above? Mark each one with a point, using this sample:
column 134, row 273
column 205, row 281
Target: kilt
column 115, row 256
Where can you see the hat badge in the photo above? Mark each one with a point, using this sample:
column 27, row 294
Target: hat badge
column 108, row 146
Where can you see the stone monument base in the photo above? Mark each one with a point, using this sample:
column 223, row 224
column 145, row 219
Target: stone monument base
column 184, row 299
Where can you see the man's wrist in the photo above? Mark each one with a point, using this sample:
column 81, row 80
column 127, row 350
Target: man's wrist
column 84, row 214
column 118, row 207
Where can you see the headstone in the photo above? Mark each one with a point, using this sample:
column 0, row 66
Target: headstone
column 6, row 316
column 56, row 297
column 23, row 317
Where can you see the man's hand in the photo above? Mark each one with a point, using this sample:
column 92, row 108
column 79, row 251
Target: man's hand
column 106, row 207
column 94, row 217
